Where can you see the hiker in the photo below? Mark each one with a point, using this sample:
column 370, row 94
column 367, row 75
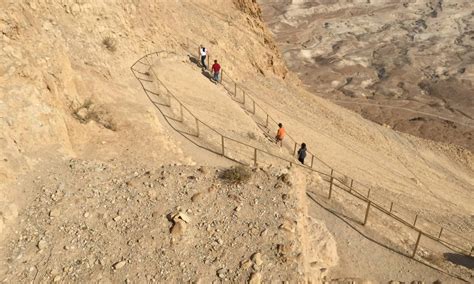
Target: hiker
column 216, row 69
column 302, row 153
column 280, row 134
column 203, row 53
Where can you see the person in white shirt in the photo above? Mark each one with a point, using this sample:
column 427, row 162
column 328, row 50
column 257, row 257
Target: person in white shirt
column 203, row 52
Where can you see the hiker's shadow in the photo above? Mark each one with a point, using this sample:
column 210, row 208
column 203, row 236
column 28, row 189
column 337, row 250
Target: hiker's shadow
column 194, row 60
column 207, row 74
column 459, row 259
column 204, row 71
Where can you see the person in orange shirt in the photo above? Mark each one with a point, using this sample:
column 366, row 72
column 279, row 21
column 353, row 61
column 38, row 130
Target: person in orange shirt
column 280, row 134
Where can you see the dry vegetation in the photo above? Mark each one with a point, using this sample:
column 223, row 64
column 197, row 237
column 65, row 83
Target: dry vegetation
column 88, row 111
column 237, row 175
column 110, row 43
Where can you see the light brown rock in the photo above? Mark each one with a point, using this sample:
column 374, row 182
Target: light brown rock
column 255, row 278
column 178, row 229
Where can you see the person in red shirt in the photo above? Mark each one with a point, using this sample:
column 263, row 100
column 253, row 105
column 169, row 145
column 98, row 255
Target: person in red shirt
column 216, row 69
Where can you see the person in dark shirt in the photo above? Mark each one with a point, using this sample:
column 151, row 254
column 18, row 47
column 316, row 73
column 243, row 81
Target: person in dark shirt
column 216, row 69
column 302, row 153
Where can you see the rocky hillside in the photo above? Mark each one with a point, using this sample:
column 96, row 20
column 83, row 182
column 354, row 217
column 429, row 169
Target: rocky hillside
column 406, row 64
column 66, row 88
column 96, row 184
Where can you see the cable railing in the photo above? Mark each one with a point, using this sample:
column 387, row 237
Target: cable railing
column 249, row 104
column 205, row 136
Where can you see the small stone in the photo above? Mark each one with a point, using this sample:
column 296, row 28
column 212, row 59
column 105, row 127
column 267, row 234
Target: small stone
column 203, row 170
column 117, row 218
column 288, row 226
column 245, row 264
column 86, row 215
column 255, row 278
column 42, row 244
column 119, row 264
column 257, row 258
column 221, row 273
column 183, row 216
column 237, row 209
column 197, row 197
column 178, row 228
column 54, row 213
column 57, row 278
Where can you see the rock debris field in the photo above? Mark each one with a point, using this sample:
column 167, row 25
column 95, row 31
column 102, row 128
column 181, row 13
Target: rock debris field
column 108, row 223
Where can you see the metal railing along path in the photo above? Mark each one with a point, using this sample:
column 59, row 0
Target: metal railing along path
column 446, row 237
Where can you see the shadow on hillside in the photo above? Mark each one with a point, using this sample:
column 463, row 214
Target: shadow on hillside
column 460, row 259
column 206, row 73
column 194, row 60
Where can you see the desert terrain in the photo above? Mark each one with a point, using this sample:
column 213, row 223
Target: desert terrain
column 113, row 166
column 405, row 64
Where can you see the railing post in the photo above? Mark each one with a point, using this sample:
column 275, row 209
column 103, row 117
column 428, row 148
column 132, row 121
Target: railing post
column 416, row 244
column 255, row 156
column 440, row 232
column 223, row 147
column 235, row 89
column 243, row 94
column 391, row 206
column 312, row 160
column 352, row 182
column 294, row 149
column 414, row 222
column 330, row 186
column 197, row 126
column 266, row 124
column 367, row 213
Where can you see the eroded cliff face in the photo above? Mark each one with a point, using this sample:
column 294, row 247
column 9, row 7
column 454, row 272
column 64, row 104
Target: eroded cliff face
column 273, row 60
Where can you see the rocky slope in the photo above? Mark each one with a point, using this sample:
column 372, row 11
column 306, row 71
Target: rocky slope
column 406, row 64
column 86, row 159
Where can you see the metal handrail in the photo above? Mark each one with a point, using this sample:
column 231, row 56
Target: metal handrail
column 342, row 185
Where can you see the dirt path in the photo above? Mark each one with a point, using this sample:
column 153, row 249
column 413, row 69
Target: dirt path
column 362, row 258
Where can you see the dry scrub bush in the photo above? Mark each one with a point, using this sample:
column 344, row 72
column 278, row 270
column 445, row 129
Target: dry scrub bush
column 110, row 43
column 252, row 135
column 87, row 111
column 236, row 175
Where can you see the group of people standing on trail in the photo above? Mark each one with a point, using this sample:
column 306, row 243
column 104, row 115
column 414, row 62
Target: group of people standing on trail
column 281, row 132
column 216, row 71
column 216, row 68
